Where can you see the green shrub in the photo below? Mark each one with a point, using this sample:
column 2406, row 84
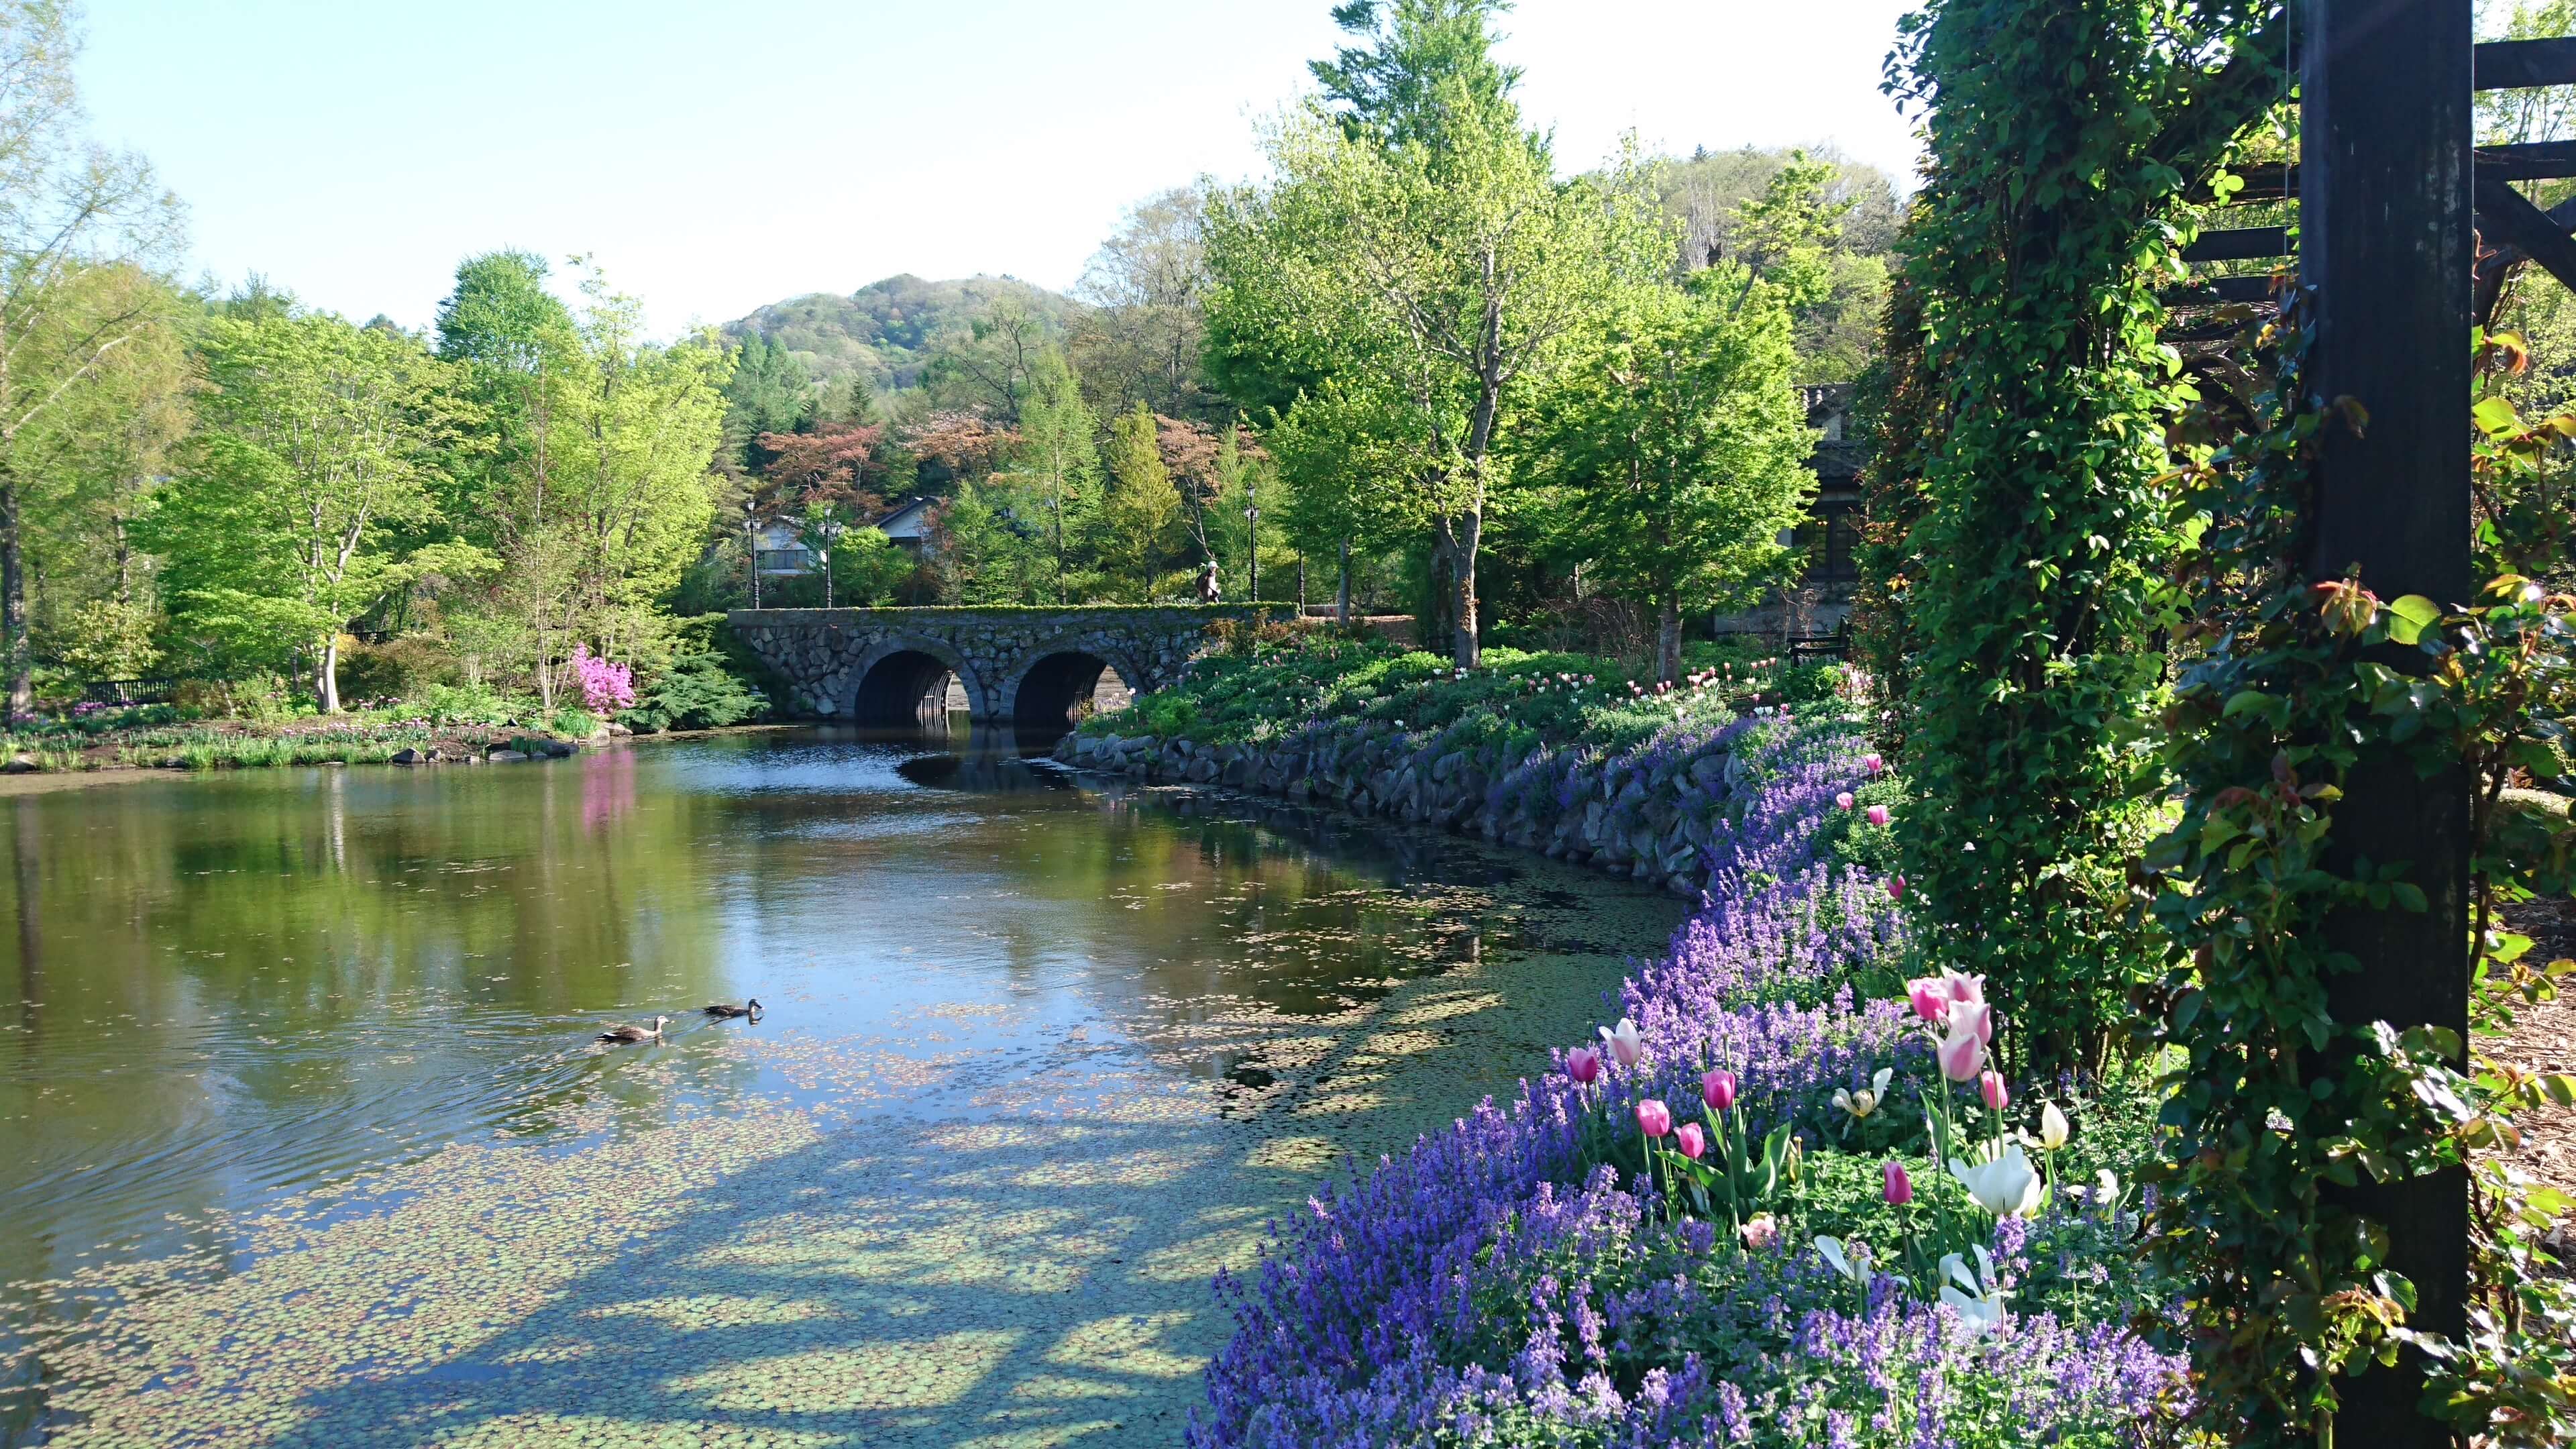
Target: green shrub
column 698, row 691
column 396, row 669
column 469, row 704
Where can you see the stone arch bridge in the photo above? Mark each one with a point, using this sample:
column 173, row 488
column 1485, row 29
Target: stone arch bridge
column 1026, row 667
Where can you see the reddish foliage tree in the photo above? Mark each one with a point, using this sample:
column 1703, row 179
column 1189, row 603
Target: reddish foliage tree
column 965, row 444
column 832, row 466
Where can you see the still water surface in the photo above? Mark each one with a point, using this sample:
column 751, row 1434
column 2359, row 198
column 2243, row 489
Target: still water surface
column 217, row 993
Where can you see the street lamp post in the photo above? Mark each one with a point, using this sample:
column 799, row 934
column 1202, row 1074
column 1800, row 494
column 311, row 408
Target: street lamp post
column 831, row 531
column 751, row 546
column 1252, row 528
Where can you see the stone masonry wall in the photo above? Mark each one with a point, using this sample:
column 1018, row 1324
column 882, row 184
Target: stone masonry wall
column 1651, row 813
column 824, row 653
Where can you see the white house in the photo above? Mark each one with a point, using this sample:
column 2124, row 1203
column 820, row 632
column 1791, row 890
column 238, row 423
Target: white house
column 908, row 524
column 784, row 554
column 781, row 550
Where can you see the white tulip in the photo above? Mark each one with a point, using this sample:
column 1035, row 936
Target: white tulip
column 2052, row 1127
column 2006, row 1187
column 1832, row 1249
column 1981, row 1306
column 1865, row 1101
column 1983, row 1315
column 1624, row 1042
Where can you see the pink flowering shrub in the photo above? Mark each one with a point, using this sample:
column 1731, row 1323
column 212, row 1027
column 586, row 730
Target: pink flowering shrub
column 605, row 686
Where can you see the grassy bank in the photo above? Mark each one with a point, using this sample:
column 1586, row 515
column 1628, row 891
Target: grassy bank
column 1517, row 702
column 1554, row 753
column 158, row 737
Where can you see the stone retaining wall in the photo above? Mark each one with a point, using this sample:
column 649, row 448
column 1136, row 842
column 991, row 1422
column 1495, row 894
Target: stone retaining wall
column 1650, row 813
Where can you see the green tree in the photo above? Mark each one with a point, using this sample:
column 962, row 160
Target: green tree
column 66, row 207
column 638, row 486
column 518, row 351
column 980, row 553
column 1436, row 282
column 1336, row 503
column 989, row 364
column 1137, row 515
column 319, row 440
column 1058, row 457
column 1677, row 448
column 1792, row 234
column 598, row 489
column 1421, row 58
column 1144, row 336
column 769, row 392
column 92, row 465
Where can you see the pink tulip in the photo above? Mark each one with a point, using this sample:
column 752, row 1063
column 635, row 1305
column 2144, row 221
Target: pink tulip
column 1900, row 1188
column 1583, row 1064
column 1896, row 888
column 1872, row 763
column 1974, row 1017
column 1843, row 801
column 1960, row 1054
column 1990, row 1087
column 1761, row 1232
column 1654, row 1118
column 1717, row 1089
column 1931, row 1000
column 1878, row 815
column 1690, row 1140
column 1963, row 988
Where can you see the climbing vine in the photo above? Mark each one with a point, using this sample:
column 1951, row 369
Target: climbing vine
column 2031, row 560
column 2289, row 687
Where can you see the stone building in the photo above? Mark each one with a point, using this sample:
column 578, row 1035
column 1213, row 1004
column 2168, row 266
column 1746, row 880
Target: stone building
column 1822, row 598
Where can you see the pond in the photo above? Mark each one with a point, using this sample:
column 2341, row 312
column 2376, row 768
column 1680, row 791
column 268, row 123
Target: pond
column 305, row 1137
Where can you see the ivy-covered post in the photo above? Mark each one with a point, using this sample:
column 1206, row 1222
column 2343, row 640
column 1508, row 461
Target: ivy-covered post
column 2386, row 246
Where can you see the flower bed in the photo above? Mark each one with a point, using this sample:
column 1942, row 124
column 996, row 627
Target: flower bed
column 1575, row 1269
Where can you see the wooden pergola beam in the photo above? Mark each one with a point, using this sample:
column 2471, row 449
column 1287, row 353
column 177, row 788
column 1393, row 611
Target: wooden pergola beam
column 2386, row 247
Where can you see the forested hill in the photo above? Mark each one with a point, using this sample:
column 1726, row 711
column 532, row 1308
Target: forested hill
column 883, row 329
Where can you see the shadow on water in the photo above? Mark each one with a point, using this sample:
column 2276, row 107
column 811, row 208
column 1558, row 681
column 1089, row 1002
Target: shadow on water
column 1035, row 1283
column 296, row 980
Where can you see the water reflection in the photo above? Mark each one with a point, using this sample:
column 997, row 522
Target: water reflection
column 235, row 988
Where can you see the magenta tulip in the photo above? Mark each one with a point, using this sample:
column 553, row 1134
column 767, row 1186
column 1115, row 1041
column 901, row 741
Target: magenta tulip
column 1896, row 888
column 1872, row 763
column 1931, row 1000
column 1990, row 1087
column 1878, row 815
column 1690, row 1140
column 1654, row 1118
column 1960, row 1054
column 1583, row 1064
column 1900, row 1188
column 1717, row 1089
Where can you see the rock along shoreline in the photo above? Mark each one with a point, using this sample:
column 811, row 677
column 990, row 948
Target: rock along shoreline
column 1651, row 812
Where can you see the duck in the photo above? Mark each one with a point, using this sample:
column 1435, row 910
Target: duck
column 748, row 1008
column 637, row 1033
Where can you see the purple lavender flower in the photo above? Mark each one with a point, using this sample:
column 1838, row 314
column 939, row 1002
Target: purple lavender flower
column 1485, row 1279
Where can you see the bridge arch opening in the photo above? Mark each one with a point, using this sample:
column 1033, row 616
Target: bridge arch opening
column 907, row 689
column 1063, row 689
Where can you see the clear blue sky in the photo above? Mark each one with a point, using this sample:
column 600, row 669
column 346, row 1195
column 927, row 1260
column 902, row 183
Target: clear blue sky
column 714, row 157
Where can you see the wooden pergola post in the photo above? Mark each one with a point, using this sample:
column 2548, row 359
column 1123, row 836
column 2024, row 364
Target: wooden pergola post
column 2386, row 244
